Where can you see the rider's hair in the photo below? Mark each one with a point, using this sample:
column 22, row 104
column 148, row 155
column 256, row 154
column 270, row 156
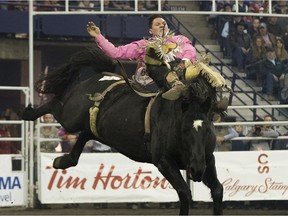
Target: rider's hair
column 152, row 17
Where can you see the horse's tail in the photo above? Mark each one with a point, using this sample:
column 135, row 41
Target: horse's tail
column 61, row 77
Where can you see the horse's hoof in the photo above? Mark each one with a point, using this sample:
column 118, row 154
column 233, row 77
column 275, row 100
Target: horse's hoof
column 28, row 114
column 64, row 162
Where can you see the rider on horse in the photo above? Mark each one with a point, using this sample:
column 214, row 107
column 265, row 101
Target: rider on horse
column 165, row 55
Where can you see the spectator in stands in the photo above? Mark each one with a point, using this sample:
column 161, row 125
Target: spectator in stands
column 284, row 91
column 68, row 140
column 86, row 6
column 141, row 5
column 6, row 147
column 257, row 5
column 48, row 5
column 285, row 37
column 239, row 145
column 151, row 4
column 273, row 27
column 263, row 19
column 261, row 131
column 242, row 6
column 10, row 114
column 164, row 5
column 224, row 134
column 48, row 132
column 21, row 5
column 274, row 72
column 248, row 19
column 253, row 29
column 3, row 6
column 241, row 44
column 224, row 27
column 15, row 129
column 268, row 38
column 56, row 6
column 259, row 50
column 122, row 5
column 108, row 5
column 258, row 56
column 215, row 19
column 280, row 7
column 267, row 127
column 280, row 51
column 205, row 5
column 282, row 20
column 281, row 144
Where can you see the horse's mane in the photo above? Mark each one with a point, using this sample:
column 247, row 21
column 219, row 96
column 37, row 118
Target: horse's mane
column 203, row 93
column 56, row 80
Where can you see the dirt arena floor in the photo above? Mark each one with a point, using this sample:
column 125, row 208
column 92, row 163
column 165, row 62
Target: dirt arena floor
column 121, row 209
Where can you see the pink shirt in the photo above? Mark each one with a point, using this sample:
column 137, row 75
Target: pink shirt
column 136, row 50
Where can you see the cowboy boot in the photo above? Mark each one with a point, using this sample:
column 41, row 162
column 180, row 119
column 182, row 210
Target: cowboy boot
column 177, row 88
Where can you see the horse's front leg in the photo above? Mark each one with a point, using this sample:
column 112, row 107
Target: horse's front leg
column 69, row 160
column 171, row 172
column 211, row 181
column 31, row 114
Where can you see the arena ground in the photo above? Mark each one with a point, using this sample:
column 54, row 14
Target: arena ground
column 121, row 209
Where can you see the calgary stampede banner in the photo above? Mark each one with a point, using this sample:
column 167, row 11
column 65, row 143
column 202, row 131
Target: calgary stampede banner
column 249, row 175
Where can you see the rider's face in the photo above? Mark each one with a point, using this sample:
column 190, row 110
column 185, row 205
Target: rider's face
column 159, row 27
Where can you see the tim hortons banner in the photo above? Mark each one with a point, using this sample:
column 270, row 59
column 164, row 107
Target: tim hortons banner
column 103, row 177
column 249, row 175
column 12, row 183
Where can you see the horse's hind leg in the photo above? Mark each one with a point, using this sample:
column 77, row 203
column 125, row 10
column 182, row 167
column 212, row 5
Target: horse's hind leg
column 210, row 179
column 54, row 107
column 71, row 159
column 171, row 172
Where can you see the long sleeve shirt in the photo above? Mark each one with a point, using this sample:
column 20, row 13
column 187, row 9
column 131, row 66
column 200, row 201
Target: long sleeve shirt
column 232, row 133
column 136, row 50
column 277, row 69
column 241, row 40
column 262, row 144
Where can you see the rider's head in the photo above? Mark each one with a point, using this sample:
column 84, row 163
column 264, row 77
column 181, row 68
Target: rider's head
column 157, row 25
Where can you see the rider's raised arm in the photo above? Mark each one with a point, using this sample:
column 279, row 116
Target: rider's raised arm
column 130, row 51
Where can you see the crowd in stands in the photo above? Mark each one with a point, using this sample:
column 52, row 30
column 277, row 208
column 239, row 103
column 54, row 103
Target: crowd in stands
column 78, row 5
column 9, row 131
column 257, row 45
column 225, row 135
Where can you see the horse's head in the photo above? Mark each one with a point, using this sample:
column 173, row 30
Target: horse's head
column 197, row 134
column 194, row 137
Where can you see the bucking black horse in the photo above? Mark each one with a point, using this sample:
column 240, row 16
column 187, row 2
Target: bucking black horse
column 172, row 135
